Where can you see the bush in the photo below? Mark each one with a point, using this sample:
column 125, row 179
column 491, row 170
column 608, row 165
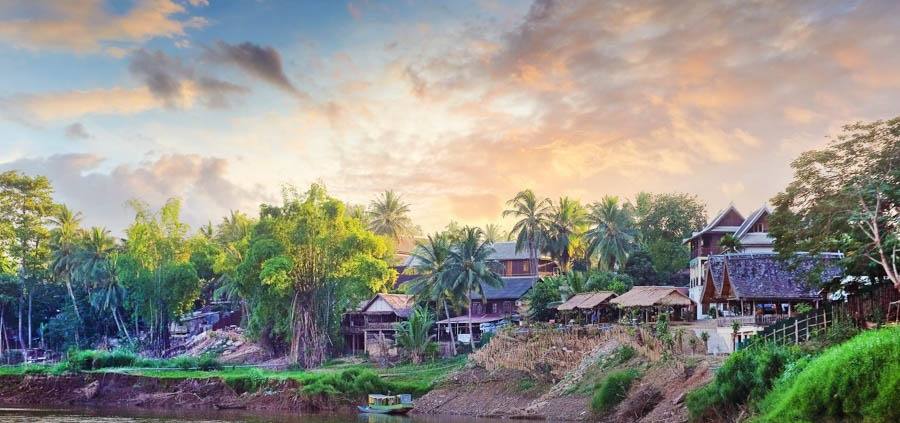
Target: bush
column 746, row 376
column 613, row 390
column 86, row 360
column 855, row 381
column 252, row 381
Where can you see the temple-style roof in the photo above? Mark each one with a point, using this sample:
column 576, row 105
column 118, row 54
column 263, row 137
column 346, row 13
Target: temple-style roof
column 652, row 296
column 714, row 225
column 764, row 276
column 751, row 220
column 514, row 287
column 586, row 300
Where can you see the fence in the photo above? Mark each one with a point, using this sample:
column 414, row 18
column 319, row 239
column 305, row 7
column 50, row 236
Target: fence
column 800, row 328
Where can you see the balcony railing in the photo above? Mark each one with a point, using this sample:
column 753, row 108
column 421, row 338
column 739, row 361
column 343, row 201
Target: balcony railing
column 371, row 326
column 705, row 251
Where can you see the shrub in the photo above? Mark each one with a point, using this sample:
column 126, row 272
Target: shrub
column 855, row 381
column 612, row 390
column 746, row 376
column 251, row 381
column 84, row 360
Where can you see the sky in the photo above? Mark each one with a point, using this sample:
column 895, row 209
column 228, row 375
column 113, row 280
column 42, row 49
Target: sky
column 454, row 105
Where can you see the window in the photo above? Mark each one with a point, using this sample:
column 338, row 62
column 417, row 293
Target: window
column 476, row 309
column 759, row 227
column 509, row 269
column 526, row 267
column 507, row 307
column 493, row 308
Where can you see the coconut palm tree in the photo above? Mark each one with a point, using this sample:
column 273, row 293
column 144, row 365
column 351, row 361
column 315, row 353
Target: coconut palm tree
column 64, row 245
column 567, row 221
column 389, row 216
column 730, row 244
column 414, row 334
column 430, row 261
column 493, row 233
column 612, row 234
column 531, row 228
column 470, row 269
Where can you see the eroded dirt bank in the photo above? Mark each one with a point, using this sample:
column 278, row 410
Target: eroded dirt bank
column 119, row 390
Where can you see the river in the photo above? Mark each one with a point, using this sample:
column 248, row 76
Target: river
column 105, row 415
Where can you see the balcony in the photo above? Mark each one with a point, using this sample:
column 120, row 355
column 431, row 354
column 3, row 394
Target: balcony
column 705, row 251
column 371, row 326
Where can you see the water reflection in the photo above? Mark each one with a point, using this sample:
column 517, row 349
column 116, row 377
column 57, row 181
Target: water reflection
column 23, row 415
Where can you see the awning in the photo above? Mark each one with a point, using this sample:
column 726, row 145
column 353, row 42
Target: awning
column 473, row 320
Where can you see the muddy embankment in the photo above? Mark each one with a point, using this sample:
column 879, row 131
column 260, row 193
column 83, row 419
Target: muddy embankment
column 551, row 376
column 119, row 390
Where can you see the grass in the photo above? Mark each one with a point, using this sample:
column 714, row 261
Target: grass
column 86, row 360
column 855, row 381
column 613, row 390
column 595, row 374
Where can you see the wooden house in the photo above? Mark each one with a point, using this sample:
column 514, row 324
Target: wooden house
column 372, row 325
column 589, row 307
column 499, row 304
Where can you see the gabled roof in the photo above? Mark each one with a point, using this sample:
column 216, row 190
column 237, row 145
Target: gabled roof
column 751, row 220
column 586, row 300
column 764, row 276
column 503, row 250
column 713, row 225
column 514, row 287
column 400, row 304
column 649, row 296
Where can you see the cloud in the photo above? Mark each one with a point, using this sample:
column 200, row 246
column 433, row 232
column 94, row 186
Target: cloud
column 64, row 105
column 262, row 62
column 202, row 183
column 88, row 27
column 174, row 82
column 76, row 131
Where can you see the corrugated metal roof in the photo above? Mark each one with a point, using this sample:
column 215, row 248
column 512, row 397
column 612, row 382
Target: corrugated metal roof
column 514, row 287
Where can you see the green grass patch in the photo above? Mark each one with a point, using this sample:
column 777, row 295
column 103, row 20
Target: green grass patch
column 613, row 390
column 745, row 377
column 33, row 369
column 855, row 381
column 596, row 373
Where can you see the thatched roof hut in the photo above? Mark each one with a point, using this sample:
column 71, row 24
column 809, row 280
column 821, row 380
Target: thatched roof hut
column 655, row 298
column 587, row 301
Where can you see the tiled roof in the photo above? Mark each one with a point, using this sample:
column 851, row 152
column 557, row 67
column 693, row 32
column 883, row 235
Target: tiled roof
column 401, row 304
column 514, row 287
column 586, row 300
column 648, row 296
column 764, row 276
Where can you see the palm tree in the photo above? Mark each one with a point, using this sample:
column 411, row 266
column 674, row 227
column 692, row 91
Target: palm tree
column 97, row 259
column 566, row 223
column 730, row 244
column 531, row 228
column 470, row 269
column 612, row 232
column 233, row 227
column 63, row 239
column 430, row 263
column 389, row 216
column 414, row 334
column 493, row 233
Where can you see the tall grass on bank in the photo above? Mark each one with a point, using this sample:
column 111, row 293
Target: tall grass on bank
column 613, row 390
column 86, row 360
column 746, row 376
column 855, row 381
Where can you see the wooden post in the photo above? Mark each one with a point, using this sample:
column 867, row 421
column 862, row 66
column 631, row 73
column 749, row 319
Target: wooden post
column 796, row 331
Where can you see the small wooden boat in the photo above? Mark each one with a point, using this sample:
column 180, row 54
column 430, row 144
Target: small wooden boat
column 388, row 404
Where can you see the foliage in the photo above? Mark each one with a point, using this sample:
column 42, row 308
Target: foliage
column 668, row 216
column 470, row 268
column 613, row 390
column 389, row 216
column 745, row 377
column 668, row 258
column 730, row 244
column 640, row 268
column 431, row 262
column 802, row 308
column 86, row 360
column 855, row 381
column 612, row 234
column 542, row 297
column 846, row 197
column 566, row 223
column 530, row 230
column 609, row 281
column 414, row 334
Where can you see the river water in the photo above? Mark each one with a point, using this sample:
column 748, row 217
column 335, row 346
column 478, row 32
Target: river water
column 23, row 415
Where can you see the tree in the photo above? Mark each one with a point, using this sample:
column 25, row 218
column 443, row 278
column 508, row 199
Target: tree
column 98, row 259
column 316, row 262
column 414, row 334
column 531, row 228
column 493, row 233
column 155, row 269
column 25, row 205
column 470, row 269
column 64, row 246
column 542, row 297
column 612, row 233
column 389, row 216
column 640, row 268
column 431, row 260
column 846, row 197
column 730, row 244
column 567, row 221
column 668, row 216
